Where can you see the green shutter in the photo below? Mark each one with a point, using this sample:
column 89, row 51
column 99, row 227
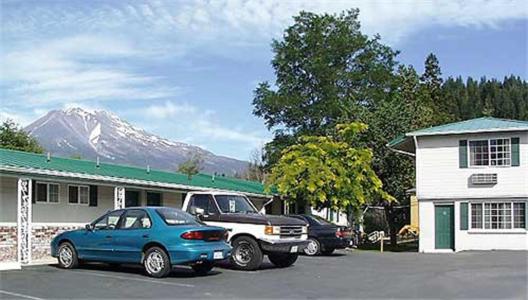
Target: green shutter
column 515, row 159
column 463, row 216
column 462, row 154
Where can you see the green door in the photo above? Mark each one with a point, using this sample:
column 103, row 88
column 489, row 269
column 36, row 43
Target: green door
column 444, row 227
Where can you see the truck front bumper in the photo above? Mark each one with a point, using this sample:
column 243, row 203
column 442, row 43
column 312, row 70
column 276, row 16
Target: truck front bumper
column 283, row 246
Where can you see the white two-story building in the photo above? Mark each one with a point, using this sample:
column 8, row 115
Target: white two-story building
column 471, row 184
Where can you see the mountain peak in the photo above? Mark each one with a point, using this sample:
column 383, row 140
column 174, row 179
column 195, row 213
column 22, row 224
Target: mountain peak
column 100, row 133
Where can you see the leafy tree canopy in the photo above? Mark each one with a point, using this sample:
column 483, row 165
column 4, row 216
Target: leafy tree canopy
column 15, row 138
column 328, row 171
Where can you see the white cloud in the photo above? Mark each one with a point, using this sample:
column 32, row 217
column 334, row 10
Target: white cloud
column 256, row 21
column 188, row 123
column 79, row 68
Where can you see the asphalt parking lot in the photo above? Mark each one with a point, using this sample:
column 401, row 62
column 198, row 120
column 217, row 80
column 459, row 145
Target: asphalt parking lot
column 357, row 274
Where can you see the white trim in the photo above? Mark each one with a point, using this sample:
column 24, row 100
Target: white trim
column 15, row 265
column 8, row 224
column 59, row 224
column 468, row 131
column 121, row 180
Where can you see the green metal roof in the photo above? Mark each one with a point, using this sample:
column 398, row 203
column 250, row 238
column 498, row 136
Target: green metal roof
column 31, row 161
column 485, row 124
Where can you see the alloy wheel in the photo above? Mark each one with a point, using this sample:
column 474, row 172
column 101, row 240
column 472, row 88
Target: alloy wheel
column 154, row 262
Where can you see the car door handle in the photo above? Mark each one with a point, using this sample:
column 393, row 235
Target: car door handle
column 108, row 237
column 146, row 236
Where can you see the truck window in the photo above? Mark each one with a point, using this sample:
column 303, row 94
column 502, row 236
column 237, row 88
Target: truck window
column 204, row 202
column 234, row 204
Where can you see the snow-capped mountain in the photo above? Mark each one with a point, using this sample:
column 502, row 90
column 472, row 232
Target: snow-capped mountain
column 76, row 131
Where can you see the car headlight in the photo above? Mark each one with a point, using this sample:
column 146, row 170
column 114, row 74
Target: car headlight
column 305, row 229
column 272, row 230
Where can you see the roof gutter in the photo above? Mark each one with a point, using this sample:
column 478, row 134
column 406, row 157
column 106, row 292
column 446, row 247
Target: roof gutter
column 119, row 180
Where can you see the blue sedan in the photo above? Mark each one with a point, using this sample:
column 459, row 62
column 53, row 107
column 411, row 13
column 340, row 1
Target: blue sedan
column 157, row 237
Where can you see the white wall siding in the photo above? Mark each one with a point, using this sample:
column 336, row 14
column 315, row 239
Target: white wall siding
column 438, row 175
column 64, row 212
column 8, row 199
column 172, row 199
column 467, row 239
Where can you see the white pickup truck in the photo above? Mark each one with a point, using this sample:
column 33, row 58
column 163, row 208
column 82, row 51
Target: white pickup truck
column 251, row 233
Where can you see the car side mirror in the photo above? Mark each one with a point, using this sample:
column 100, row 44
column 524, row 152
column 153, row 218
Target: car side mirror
column 88, row 227
column 199, row 211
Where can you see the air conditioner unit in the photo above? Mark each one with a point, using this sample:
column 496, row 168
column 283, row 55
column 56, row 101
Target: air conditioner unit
column 484, row 179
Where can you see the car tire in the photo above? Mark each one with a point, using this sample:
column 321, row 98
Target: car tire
column 67, row 256
column 328, row 251
column 313, row 248
column 283, row 260
column 203, row 268
column 156, row 262
column 246, row 254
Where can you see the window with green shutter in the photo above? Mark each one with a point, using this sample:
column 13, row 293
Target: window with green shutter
column 463, row 216
column 462, row 154
column 515, row 159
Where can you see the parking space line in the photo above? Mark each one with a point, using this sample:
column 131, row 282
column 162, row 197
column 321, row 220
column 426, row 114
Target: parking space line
column 136, row 279
column 20, row 295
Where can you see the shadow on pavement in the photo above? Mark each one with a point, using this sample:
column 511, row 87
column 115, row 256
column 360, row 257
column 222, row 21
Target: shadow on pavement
column 117, row 269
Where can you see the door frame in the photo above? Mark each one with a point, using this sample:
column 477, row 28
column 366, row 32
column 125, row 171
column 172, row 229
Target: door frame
column 451, row 205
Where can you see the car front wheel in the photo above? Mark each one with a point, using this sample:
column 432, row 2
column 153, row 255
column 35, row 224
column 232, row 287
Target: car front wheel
column 67, row 256
column 313, row 247
column 246, row 254
column 157, row 263
column 283, row 260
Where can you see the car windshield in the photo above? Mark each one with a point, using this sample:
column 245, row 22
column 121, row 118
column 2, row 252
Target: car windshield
column 234, row 204
column 173, row 216
column 318, row 220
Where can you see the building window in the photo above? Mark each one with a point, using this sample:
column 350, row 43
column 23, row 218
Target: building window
column 500, row 152
column 47, row 192
column 153, row 199
column 494, row 152
column 498, row 215
column 78, row 194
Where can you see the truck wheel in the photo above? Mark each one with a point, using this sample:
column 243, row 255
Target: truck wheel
column 246, row 254
column 283, row 260
column 203, row 268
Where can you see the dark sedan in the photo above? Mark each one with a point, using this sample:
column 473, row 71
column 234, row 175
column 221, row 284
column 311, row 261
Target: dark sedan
column 324, row 237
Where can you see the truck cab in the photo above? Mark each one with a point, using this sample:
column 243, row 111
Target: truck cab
column 252, row 234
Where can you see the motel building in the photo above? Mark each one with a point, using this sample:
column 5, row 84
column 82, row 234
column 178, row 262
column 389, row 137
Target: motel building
column 471, row 184
column 42, row 195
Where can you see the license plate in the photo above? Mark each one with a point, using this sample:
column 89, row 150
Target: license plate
column 218, row 255
column 294, row 249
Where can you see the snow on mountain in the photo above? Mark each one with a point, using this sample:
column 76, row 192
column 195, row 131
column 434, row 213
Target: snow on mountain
column 92, row 134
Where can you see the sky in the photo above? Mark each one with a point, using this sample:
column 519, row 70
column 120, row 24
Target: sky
column 186, row 70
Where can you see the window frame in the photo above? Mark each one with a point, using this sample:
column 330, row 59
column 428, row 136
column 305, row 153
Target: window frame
column 47, row 192
column 78, row 194
column 483, row 228
column 489, row 165
column 123, row 216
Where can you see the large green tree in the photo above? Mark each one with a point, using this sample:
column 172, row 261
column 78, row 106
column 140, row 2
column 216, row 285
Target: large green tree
column 328, row 171
column 14, row 137
column 327, row 72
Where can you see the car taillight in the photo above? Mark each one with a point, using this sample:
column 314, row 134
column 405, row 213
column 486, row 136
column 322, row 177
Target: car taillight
column 339, row 234
column 226, row 235
column 193, row 235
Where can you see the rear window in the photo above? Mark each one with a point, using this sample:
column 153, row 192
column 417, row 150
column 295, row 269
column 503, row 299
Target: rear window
column 318, row 220
column 173, row 216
